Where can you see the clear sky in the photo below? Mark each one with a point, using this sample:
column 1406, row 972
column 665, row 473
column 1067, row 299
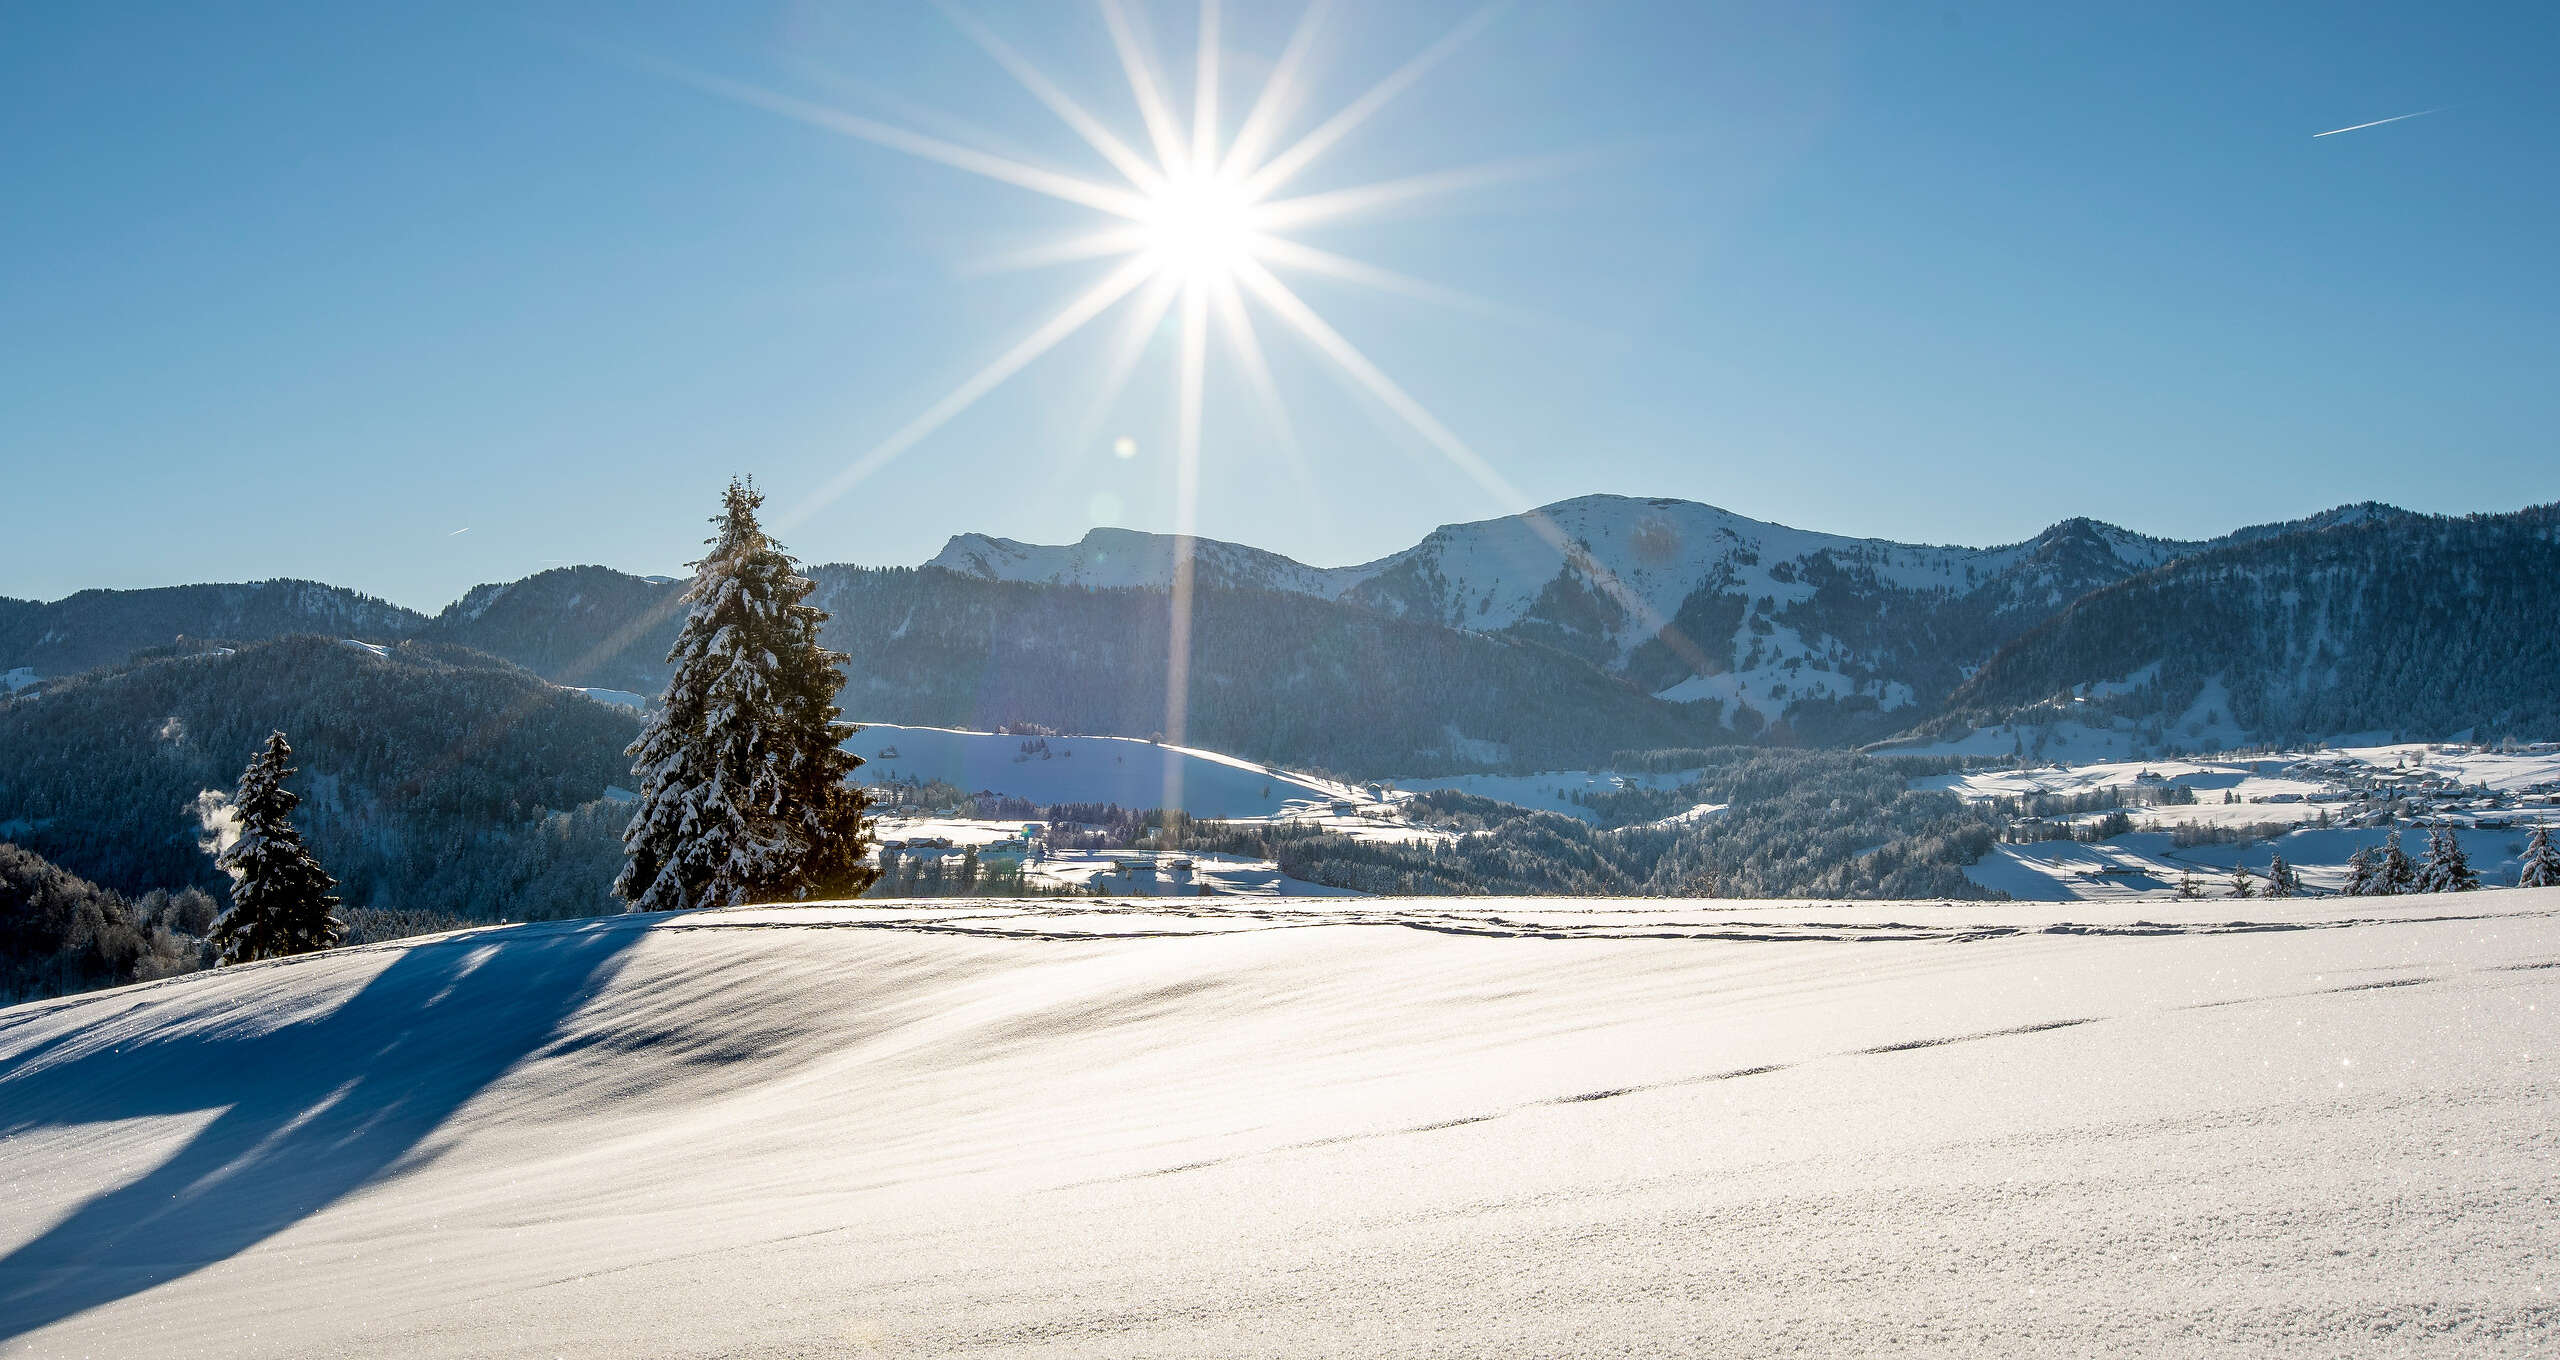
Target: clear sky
column 310, row 290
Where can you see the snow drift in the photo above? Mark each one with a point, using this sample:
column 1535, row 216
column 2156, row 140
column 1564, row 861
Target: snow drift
column 1435, row 1128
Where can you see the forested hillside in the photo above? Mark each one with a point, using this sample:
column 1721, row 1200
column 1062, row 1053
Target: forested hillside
column 1273, row 676
column 586, row 626
column 96, row 627
column 2424, row 626
column 62, row 933
column 434, row 779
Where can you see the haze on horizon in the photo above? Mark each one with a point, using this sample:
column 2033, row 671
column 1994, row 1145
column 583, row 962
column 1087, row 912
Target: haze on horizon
column 410, row 302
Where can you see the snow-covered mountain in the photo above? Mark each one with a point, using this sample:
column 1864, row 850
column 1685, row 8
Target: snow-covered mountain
column 1732, row 628
column 1107, row 558
column 1690, row 602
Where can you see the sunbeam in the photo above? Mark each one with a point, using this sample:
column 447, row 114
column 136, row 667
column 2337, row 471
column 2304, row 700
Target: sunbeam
column 1292, row 255
column 1128, row 347
column 1337, row 204
column 1280, row 97
column 1092, row 303
column 1204, row 100
column 1191, row 386
column 1118, row 202
column 1281, row 168
column 1100, row 245
column 1302, row 318
column 1123, row 158
column 1140, row 69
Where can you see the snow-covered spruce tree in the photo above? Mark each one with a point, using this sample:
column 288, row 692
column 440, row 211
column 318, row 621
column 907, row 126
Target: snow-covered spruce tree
column 280, row 900
column 744, row 790
column 2241, row 886
column 2541, row 866
column 2281, row 879
column 2397, row 873
column 2447, row 869
column 2359, row 874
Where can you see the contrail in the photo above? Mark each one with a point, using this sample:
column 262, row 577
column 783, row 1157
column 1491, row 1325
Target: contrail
column 2376, row 123
column 459, row 532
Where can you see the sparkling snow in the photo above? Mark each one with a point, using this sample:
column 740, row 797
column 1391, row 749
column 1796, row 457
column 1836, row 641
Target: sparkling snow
column 1464, row 1127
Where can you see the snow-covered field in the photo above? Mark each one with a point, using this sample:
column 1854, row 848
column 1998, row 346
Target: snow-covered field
column 2321, row 802
column 1126, row 873
column 1464, row 1127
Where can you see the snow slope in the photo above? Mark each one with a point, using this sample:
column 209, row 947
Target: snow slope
column 1446, row 1128
column 1122, row 770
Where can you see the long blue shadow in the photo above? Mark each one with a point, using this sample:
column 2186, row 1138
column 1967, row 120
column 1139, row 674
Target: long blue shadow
column 310, row 1111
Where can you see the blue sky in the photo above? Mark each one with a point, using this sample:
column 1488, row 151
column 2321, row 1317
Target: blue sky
column 305, row 290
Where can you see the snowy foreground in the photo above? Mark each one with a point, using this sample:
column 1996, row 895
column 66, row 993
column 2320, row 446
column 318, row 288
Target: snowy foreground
column 1484, row 1127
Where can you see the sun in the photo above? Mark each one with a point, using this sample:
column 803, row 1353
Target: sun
column 1196, row 225
column 1199, row 229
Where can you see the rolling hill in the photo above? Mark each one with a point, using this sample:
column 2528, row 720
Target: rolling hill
column 1431, row 1128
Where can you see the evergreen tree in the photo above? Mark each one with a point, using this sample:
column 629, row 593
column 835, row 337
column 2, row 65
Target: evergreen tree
column 744, row 782
column 2360, row 875
column 2397, row 873
column 280, row 899
column 2541, row 867
column 2240, row 884
column 2447, row 869
column 2282, row 881
column 2188, row 888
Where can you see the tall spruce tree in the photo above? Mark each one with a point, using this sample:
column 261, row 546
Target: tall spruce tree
column 2447, row 869
column 744, row 780
column 280, row 898
column 2360, row 875
column 2541, row 865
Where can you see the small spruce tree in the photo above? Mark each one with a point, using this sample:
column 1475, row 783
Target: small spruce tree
column 2447, row 869
column 2541, row 866
column 2397, row 873
column 2240, row 883
column 745, row 792
column 2359, row 882
column 2281, row 879
column 280, row 899
column 2188, row 888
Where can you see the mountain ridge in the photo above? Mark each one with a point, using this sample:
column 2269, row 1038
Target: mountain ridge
column 1729, row 629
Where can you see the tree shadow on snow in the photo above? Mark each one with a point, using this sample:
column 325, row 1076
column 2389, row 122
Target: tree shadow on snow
column 310, row 1111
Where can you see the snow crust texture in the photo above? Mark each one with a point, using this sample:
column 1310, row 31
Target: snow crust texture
column 2305, row 1127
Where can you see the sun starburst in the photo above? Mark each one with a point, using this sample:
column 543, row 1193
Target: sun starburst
column 1197, row 225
